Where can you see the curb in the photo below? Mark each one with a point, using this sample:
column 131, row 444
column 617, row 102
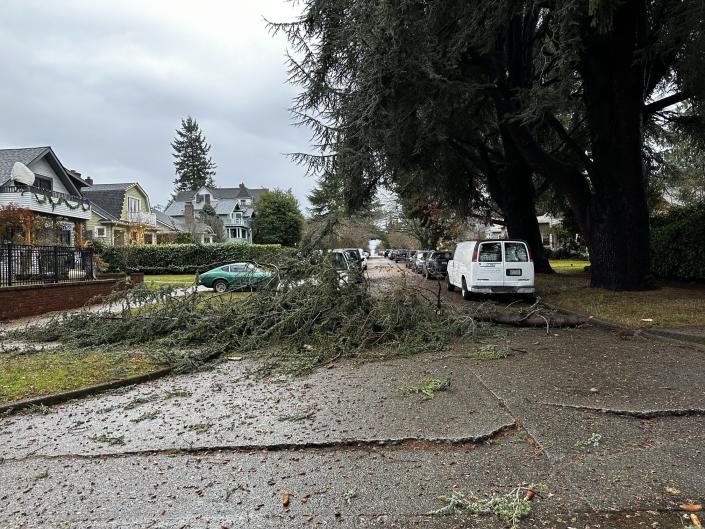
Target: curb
column 649, row 333
column 58, row 398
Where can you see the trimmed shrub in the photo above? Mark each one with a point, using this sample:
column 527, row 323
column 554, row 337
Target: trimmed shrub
column 184, row 258
column 678, row 243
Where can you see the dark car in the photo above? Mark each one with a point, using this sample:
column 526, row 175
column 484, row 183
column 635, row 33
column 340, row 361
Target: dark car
column 436, row 265
column 400, row 255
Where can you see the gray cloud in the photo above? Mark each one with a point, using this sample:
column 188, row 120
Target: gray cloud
column 106, row 85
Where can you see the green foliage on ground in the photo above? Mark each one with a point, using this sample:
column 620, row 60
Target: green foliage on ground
column 305, row 317
column 184, row 258
column 428, row 388
column 677, row 242
column 279, row 219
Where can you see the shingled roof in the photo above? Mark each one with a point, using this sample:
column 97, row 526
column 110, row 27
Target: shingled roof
column 223, row 193
column 109, row 197
column 26, row 156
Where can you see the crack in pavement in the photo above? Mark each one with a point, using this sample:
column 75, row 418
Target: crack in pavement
column 553, row 464
column 637, row 414
column 426, row 442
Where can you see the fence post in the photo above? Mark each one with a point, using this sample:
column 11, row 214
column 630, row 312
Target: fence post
column 56, row 264
column 9, row 264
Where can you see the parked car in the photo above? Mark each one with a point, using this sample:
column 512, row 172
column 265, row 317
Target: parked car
column 354, row 256
column 234, row 276
column 418, row 261
column 491, row 267
column 400, row 255
column 436, row 265
column 410, row 256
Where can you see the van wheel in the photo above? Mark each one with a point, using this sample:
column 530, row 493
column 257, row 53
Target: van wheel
column 467, row 295
column 449, row 285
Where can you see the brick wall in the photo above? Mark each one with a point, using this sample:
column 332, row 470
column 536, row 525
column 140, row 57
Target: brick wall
column 32, row 300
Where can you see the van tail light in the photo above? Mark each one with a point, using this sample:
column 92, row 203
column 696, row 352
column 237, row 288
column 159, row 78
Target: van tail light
column 528, row 251
column 474, row 254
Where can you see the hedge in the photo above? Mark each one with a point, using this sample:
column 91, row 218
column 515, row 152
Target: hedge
column 678, row 243
column 184, row 258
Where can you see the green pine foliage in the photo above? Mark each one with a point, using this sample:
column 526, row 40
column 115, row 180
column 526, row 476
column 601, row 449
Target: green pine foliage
column 278, row 219
column 194, row 168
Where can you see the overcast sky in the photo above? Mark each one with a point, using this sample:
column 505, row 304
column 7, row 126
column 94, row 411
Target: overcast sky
column 107, row 83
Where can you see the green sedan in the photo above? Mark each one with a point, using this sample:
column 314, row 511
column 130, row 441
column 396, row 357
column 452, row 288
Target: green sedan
column 234, row 276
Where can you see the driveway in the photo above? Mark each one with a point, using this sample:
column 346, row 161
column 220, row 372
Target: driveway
column 614, row 427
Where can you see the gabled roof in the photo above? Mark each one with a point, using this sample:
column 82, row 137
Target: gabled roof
column 109, row 197
column 26, row 156
column 223, row 193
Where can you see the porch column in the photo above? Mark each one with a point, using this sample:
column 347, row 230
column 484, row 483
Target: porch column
column 78, row 232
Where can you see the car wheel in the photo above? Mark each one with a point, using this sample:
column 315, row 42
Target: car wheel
column 467, row 295
column 220, row 286
column 449, row 285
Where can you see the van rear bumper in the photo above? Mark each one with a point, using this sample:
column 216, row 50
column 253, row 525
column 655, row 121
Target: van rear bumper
column 501, row 290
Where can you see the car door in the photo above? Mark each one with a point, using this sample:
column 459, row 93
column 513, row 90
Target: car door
column 518, row 268
column 489, row 270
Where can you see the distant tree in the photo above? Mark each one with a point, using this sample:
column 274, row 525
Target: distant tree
column 210, row 218
column 278, row 219
column 194, row 168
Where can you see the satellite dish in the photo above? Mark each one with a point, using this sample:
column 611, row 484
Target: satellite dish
column 22, row 174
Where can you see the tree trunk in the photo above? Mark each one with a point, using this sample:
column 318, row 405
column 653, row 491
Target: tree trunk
column 617, row 224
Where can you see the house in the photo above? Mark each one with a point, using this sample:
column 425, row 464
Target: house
column 169, row 230
column 234, row 205
column 547, row 226
column 53, row 193
column 121, row 214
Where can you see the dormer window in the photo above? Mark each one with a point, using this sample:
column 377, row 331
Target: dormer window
column 43, row 182
column 203, row 197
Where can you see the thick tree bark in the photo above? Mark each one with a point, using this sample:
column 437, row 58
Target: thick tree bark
column 617, row 224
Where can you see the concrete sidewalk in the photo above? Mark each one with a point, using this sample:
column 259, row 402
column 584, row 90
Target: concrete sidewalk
column 614, row 427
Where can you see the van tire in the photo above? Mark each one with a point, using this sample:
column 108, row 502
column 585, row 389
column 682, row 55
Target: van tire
column 449, row 285
column 467, row 295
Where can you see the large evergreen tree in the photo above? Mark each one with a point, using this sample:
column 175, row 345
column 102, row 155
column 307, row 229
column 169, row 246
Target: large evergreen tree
column 470, row 98
column 194, row 168
column 278, row 219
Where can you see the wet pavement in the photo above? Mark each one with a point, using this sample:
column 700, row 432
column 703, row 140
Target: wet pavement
column 614, row 427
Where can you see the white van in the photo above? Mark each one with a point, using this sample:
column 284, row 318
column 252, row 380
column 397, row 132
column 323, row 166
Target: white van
column 491, row 267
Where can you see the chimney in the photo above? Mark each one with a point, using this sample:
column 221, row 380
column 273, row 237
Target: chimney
column 188, row 211
column 242, row 185
column 89, row 180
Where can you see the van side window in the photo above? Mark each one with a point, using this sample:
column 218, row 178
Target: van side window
column 490, row 252
column 515, row 252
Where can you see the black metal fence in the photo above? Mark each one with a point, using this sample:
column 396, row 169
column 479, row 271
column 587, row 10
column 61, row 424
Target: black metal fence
column 36, row 265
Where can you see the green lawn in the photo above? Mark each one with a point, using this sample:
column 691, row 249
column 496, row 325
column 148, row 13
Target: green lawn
column 170, row 280
column 671, row 305
column 568, row 265
column 47, row 372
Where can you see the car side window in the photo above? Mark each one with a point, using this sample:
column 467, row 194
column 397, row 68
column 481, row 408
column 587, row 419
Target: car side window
column 225, row 268
column 490, row 252
column 237, row 268
column 515, row 252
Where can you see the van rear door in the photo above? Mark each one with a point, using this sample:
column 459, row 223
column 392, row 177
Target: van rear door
column 489, row 270
column 518, row 268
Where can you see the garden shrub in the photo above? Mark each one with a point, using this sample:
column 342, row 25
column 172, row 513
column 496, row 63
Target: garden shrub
column 677, row 243
column 184, row 258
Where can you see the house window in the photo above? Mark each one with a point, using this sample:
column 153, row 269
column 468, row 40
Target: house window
column 43, row 182
column 203, row 198
column 133, row 204
column 238, row 217
column 99, row 231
